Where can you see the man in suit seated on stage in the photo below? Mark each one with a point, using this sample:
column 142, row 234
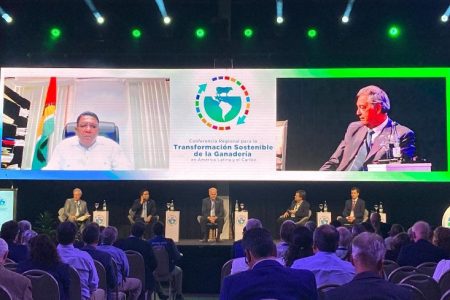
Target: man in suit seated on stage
column 370, row 138
column 267, row 278
column 76, row 210
column 144, row 210
column 213, row 212
column 367, row 256
column 422, row 250
column 17, row 285
column 298, row 209
column 354, row 208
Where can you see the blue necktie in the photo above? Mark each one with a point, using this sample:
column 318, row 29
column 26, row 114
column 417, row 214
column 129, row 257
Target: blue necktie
column 360, row 158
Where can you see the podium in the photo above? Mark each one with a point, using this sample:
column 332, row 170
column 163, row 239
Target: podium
column 240, row 219
column 173, row 225
column 419, row 167
column 323, row 218
column 101, row 217
column 383, row 217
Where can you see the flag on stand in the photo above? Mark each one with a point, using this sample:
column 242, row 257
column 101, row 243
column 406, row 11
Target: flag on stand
column 45, row 127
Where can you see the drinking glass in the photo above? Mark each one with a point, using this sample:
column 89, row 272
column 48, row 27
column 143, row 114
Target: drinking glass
column 168, row 205
column 376, row 207
column 242, row 206
column 321, row 206
column 96, row 204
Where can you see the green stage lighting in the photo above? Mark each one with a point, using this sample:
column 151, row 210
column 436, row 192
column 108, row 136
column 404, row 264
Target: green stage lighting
column 312, row 33
column 248, row 32
column 55, row 33
column 200, row 33
column 394, row 31
column 136, row 33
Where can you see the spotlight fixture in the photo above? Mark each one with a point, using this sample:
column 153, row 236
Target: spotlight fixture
column 162, row 10
column 394, row 31
column 136, row 33
column 312, row 33
column 348, row 9
column 279, row 6
column 97, row 15
column 248, row 32
column 8, row 19
column 200, row 33
column 55, row 33
column 444, row 17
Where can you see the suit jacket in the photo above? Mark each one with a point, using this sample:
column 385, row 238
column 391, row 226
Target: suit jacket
column 144, row 248
column 302, row 211
column 269, row 280
column 70, row 208
column 136, row 208
column 218, row 208
column 17, row 285
column 106, row 260
column 354, row 137
column 420, row 252
column 368, row 286
column 360, row 207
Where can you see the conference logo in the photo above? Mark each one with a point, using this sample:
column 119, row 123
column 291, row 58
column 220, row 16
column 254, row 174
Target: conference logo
column 222, row 103
column 172, row 220
column 2, row 203
column 241, row 220
column 99, row 220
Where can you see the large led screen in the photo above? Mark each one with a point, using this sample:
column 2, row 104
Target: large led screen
column 234, row 124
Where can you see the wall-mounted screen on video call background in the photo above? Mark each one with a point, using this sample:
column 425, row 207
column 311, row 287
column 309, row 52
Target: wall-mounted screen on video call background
column 215, row 124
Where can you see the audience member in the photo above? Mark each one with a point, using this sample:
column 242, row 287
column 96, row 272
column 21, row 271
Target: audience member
column 136, row 243
column 395, row 229
column 28, row 236
column 24, row 225
column 421, row 250
column 266, row 278
column 17, row 285
column 357, row 229
column 441, row 239
column 345, row 238
column 91, row 236
column 131, row 286
column 43, row 256
column 286, row 230
column 174, row 255
column 237, row 250
column 326, row 266
column 368, row 227
column 311, row 225
column 367, row 255
column 300, row 246
column 9, row 233
column 80, row 260
column 379, row 227
column 400, row 240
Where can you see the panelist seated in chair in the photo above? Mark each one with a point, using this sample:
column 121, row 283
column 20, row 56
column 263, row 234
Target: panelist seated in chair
column 354, row 208
column 213, row 212
column 87, row 150
column 144, row 210
column 75, row 209
column 298, row 209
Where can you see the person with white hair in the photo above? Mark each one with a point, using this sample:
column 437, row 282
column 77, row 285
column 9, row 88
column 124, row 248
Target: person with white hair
column 365, row 140
column 237, row 250
column 368, row 250
column 17, row 285
column 422, row 250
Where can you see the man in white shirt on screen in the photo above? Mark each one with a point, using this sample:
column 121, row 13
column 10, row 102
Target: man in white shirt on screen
column 87, row 150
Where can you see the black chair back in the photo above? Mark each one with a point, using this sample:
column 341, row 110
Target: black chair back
column 426, row 284
column 444, row 282
column 101, row 272
column 398, row 274
column 44, row 285
column 427, row 268
column 4, row 294
column 226, row 270
column 416, row 293
column 75, row 284
column 137, row 266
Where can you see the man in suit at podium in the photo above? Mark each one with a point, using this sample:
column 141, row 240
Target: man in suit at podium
column 76, row 210
column 373, row 136
column 213, row 212
column 144, row 210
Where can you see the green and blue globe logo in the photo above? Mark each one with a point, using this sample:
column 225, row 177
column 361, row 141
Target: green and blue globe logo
column 222, row 103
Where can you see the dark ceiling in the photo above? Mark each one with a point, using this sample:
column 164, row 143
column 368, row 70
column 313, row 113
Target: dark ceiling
column 425, row 41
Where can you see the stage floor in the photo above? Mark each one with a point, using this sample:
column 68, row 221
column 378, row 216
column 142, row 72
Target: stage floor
column 193, row 242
